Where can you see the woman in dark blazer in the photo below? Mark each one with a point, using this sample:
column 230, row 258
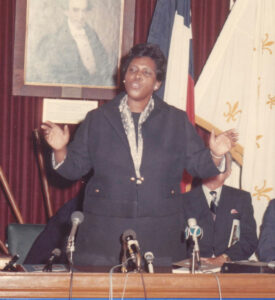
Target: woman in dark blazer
column 137, row 146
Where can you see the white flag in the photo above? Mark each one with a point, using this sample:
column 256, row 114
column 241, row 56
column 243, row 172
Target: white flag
column 237, row 90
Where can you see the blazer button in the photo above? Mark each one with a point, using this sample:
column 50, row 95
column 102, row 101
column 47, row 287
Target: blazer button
column 142, row 178
column 172, row 192
column 133, row 179
column 97, row 190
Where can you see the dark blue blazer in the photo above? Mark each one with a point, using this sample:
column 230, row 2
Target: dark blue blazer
column 266, row 247
column 114, row 201
column 233, row 204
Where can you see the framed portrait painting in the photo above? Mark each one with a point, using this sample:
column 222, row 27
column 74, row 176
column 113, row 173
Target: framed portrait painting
column 71, row 48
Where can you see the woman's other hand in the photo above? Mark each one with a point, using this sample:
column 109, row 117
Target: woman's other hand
column 57, row 138
column 222, row 143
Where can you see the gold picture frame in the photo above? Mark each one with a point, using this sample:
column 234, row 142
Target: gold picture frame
column 49, row 55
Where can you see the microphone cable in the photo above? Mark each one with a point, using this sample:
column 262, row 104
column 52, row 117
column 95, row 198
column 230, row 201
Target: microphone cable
column 218, row 282
column 143, row 284
column 219, row 285
column 71, row 280
column 125, row 281
column 111, row 278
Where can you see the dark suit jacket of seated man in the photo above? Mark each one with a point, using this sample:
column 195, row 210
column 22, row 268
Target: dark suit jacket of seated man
column 55, row 235
column 266, row 247
column 233, row 204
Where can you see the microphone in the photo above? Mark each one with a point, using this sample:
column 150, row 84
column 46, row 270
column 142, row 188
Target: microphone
column 48, row 266
column 10, row 265
column 77, row 218
column 195, row 232
column 129, row 238
column 271, row 264
column 149, row 257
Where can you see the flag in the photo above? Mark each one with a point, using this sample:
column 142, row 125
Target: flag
column 236, row 90
column 171, row 30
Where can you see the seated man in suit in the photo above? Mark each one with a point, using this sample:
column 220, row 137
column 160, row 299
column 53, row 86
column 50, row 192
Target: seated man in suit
column 218, row 207
column 266, row 247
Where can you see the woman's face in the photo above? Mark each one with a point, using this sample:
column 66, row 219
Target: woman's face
column 140, row 79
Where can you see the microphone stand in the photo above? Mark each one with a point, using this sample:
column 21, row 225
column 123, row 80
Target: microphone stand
column 48, row 267
column 194, row 231
column 10, row 265
column 138, row 262
column 136, row 257
column 124, row 259
column 195, row 265
column 70, row 249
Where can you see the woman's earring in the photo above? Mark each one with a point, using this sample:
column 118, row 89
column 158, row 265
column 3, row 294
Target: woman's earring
column 124, row 81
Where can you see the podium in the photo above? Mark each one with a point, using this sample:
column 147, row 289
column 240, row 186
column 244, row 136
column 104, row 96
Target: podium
column 158, row 285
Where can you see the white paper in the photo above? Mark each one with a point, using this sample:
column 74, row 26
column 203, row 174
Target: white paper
column 66, row 111
column 184, row 266
column 235, row 233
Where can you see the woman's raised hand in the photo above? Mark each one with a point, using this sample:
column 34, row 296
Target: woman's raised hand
column 55, row 136
column 222, row 143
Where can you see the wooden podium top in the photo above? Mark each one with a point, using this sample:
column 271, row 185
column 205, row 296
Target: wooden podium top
column 158, row 285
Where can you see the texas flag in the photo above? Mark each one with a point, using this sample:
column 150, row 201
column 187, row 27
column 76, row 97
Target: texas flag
column 171, row 30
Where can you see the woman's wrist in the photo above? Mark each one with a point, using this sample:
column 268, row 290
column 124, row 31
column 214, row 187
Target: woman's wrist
column 216, row 156
column 60, row 154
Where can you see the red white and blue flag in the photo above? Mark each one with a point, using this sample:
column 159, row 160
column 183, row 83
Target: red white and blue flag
column 171, row 30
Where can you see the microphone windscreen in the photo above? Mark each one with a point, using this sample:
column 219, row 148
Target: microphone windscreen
column 128, row 233
column 149, row 256
column 56, row 252
column 193, row 228
column 192, row 222
column 271, row 264
column 77, row 217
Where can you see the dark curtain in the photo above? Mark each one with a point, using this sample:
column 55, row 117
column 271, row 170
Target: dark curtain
column 208, row 17
column 19, row 116
column 144, row 12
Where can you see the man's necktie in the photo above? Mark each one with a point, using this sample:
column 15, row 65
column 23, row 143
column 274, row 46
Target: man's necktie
column 213, row 203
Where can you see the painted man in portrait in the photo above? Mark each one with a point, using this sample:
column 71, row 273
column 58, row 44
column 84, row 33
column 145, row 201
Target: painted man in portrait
column 74, row 53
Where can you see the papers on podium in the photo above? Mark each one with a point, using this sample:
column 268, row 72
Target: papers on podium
column 184, row 266
column 39, row 268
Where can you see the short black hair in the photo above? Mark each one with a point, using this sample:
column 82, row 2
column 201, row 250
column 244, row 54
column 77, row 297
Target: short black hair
column 149, row 50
